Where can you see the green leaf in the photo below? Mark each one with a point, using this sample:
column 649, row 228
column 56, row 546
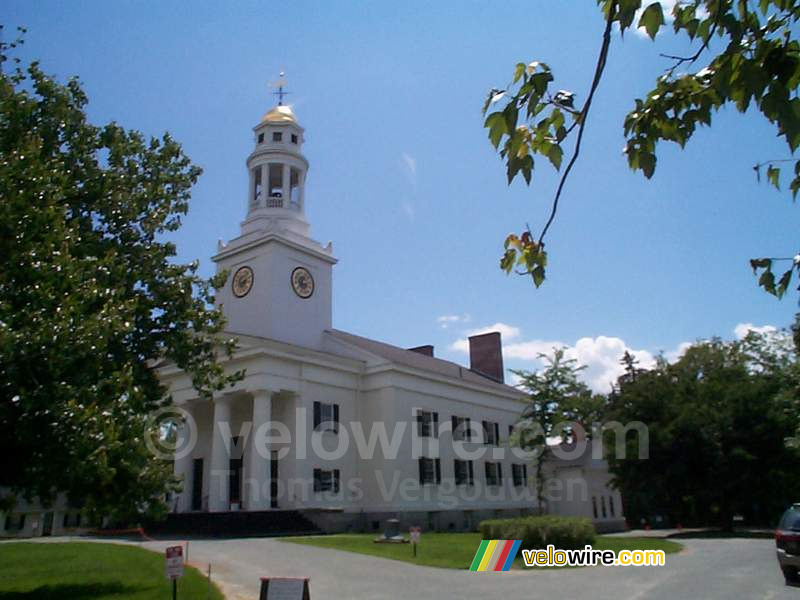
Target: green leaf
column 760, row 263
column 774, row 176
column 783, row 284
column 496, row 123
column 519, row 71
column 538, row 276
column 767, row 281
column 647, row 163
column 555, row 155
column 652, row 19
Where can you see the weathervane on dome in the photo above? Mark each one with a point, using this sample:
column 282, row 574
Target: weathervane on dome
column 280, row 84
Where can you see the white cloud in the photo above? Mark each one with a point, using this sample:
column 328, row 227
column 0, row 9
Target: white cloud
column 740, row 331
column 600, row 355
column 674, row 355
column 446, row 321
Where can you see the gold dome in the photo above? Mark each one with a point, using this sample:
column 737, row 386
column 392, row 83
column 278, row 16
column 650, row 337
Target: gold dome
column 279, row 114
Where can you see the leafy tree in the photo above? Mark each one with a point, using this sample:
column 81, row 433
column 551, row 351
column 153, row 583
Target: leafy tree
column 757, row 66
column 555, row 397
column 717, row 421
column 91, row 299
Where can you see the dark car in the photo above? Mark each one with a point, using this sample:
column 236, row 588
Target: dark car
column 787, row 540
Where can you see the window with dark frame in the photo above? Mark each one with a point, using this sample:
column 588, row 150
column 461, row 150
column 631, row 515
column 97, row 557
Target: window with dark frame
column 430, row 471
column 260, row 138
column 611, row 506
column 277, row 136
column 603, row 506
column 464, row 471
column 494, row 473
column 294, row 138
column 491, row 433
column 520, row 475
column 327, row 480
column 462, row 429
column 275, row 173
column 594, row 506
column 327, row 414
column 427, row 423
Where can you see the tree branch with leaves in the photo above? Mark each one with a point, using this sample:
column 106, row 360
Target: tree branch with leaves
column 758, row 66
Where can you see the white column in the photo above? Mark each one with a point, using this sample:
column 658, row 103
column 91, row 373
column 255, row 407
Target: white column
column 257, row 469
column 218, row 485
column 265, row 191
column 183, row 466
column 251, row 195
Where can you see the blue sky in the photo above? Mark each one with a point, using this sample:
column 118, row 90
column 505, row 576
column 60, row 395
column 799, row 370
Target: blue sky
column 408, row 188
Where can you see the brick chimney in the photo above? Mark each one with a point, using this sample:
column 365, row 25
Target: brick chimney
column 486, row 355
column 426, row 350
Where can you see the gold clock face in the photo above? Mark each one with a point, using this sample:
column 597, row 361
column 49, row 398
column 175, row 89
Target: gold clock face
column 242, row 281
column 302, row 282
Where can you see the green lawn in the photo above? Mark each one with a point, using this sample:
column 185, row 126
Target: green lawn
column 455, row 550
column 89, row 571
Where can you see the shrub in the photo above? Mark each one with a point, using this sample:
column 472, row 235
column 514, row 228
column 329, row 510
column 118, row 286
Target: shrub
column 537, row 532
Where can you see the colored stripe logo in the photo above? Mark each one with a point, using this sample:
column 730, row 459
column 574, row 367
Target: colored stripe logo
column 495, row 555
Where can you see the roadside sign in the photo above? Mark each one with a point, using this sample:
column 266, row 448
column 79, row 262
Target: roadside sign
column 285, row 588
column 415, row 533
column 174, row 562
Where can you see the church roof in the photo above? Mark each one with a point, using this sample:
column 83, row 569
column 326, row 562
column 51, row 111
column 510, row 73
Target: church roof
column 279, row 114
column 415, row 360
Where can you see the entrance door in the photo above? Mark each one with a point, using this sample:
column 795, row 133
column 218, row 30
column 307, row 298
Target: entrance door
column 197, row 484
column 47, row 524
column 273, row 482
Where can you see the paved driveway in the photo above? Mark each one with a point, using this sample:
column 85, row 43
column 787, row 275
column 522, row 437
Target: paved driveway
column 713, row 569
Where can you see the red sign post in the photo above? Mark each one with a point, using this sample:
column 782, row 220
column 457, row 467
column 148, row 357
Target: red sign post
column 174, row 555
column 415, row 533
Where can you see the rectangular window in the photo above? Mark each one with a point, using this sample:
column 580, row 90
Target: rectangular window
column 257, row 187
column 430, row 470
column 326, row 417
column 275, row 184
column 494, row 473
column 594, row 506
column 462, row 429
column 260, row 138
column 465, row 474
column 294, row 187
column 277, row 136
column 611, row 505
column 520, row 475
column 327, row 480
column 603, row 506
column 491, row 433
column 294, row 138
column 427, row 423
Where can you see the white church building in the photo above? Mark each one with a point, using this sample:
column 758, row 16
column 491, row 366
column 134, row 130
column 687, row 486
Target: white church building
column 347, row 430
column 331, row 428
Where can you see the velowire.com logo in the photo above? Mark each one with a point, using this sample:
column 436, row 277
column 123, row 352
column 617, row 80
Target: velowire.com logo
column 495, row 555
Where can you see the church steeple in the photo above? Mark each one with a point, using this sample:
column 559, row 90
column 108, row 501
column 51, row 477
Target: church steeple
column 280, row 279
column 277, row 170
